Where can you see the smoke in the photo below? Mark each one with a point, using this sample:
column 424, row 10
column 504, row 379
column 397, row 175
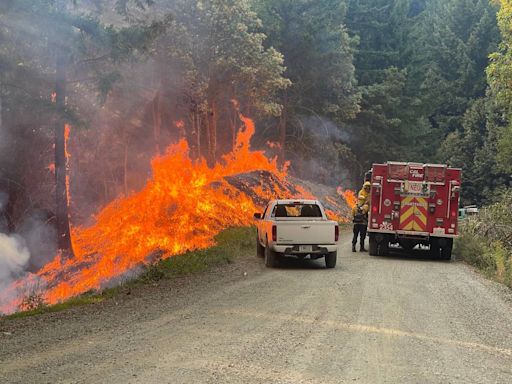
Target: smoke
column 320, row 151
column 324, row 129
column 3, row 220
column 27, row 250
column 14, row 256
column 38, row 234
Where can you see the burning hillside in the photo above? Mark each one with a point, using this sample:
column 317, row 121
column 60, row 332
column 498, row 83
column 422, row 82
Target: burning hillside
column 182, row 207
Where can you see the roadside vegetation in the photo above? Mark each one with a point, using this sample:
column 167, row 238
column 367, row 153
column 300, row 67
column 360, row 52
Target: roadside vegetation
column 486, row 240
column 230, row 244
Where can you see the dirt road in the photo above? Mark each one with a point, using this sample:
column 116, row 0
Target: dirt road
column 370, row 320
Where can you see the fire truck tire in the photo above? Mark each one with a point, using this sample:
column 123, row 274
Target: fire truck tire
column 435, row 249
column 383, row 248
column 260, row 249
column 446, row 251
column 330, row 259
column 270, row 257
column 372, row 248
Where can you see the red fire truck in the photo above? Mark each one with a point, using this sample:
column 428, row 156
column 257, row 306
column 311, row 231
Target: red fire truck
column 414, row 204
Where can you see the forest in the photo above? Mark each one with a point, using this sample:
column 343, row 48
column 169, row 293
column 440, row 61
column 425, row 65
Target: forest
column 92, row 90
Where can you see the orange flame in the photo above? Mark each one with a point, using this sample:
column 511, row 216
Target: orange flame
column 349, row 196
column 182, row 207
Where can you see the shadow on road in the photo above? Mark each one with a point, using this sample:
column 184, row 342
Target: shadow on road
column 295, row 263
column 414, row 254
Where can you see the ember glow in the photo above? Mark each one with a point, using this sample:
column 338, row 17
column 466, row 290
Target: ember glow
column 349, row 196
column 182, row 207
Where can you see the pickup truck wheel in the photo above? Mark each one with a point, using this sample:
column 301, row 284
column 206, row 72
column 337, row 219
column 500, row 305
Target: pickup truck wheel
column 330, row 259
column 270, row 257
column 260, row 249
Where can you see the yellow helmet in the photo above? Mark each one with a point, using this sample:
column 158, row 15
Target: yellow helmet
column 367, row 184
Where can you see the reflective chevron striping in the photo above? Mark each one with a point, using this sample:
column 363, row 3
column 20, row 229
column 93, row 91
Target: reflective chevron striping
column 413, row 214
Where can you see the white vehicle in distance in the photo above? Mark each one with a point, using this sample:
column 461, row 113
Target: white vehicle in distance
column 297, row 228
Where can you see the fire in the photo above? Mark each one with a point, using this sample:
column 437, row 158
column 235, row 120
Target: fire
column 349, row 196
column 182, row 207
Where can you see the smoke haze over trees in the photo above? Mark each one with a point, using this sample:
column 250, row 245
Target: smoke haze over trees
column 333, row 86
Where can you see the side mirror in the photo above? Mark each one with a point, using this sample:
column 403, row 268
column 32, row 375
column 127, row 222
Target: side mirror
column 257, row 215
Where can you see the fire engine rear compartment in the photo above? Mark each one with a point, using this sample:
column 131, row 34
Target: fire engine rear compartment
column 413, row 204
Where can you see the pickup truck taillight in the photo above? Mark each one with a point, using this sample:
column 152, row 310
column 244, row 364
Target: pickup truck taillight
column 336, row 233
column 274, row 233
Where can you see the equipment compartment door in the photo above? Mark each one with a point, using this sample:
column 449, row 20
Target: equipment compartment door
column 413, row 214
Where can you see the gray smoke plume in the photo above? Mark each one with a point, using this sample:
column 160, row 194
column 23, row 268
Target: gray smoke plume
column 14, row 256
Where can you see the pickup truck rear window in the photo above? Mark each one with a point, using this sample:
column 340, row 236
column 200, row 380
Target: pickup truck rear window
column 297, row 210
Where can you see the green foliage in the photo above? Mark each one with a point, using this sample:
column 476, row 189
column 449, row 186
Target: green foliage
column 224, row 55
column 231, row 244
column 318, row 55
column 486, row 240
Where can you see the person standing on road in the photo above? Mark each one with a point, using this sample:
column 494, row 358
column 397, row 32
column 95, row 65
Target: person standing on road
column 360, row 216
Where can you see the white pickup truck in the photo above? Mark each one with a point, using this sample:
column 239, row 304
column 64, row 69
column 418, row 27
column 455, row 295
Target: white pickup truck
column 296, row 228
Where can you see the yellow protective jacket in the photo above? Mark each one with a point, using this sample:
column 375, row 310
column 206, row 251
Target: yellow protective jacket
column 363, row 196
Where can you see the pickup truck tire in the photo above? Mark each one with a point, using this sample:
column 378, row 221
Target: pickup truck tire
column 260, row 249
column 330, row 259
column 270, row 257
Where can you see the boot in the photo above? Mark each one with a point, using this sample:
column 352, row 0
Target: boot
column 362, row 249
column 353, row 247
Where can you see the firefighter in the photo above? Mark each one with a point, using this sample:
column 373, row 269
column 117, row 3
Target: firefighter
column 360, row 216
column 364, row 193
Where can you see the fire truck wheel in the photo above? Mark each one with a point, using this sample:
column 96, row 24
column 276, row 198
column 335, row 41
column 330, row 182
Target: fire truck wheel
column 435, row 249
column 270, row 257
column 372, row 247
column 383, row 248
column 260, row 249
column 446, row 251
column 330, row 259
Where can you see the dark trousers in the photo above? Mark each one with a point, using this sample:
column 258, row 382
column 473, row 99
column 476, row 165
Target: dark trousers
column 359, row 230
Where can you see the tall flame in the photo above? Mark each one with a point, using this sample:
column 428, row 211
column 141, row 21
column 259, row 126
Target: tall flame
column 182, row 207
column 349, row 196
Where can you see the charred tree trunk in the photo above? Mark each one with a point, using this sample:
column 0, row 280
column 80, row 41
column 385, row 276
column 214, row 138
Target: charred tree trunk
column 282, row 129
column 233, row 115
column 198, row 134
column 157, row 121
column 208, row 137
column 212, row 132
column 195, row 140
column 125, row 169
column 232, row 122
column 212, row 116
column 62, row 198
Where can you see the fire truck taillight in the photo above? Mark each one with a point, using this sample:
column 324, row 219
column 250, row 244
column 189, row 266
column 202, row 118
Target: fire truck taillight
column 375, row 209
column 336, row 233
column 274, row 233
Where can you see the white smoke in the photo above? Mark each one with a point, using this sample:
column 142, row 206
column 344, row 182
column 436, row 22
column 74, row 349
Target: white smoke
column 14, row 256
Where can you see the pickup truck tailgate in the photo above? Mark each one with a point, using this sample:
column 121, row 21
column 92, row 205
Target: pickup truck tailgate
column 305, row 232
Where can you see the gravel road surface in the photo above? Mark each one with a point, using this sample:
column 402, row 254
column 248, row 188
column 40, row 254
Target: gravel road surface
column 370, row 320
